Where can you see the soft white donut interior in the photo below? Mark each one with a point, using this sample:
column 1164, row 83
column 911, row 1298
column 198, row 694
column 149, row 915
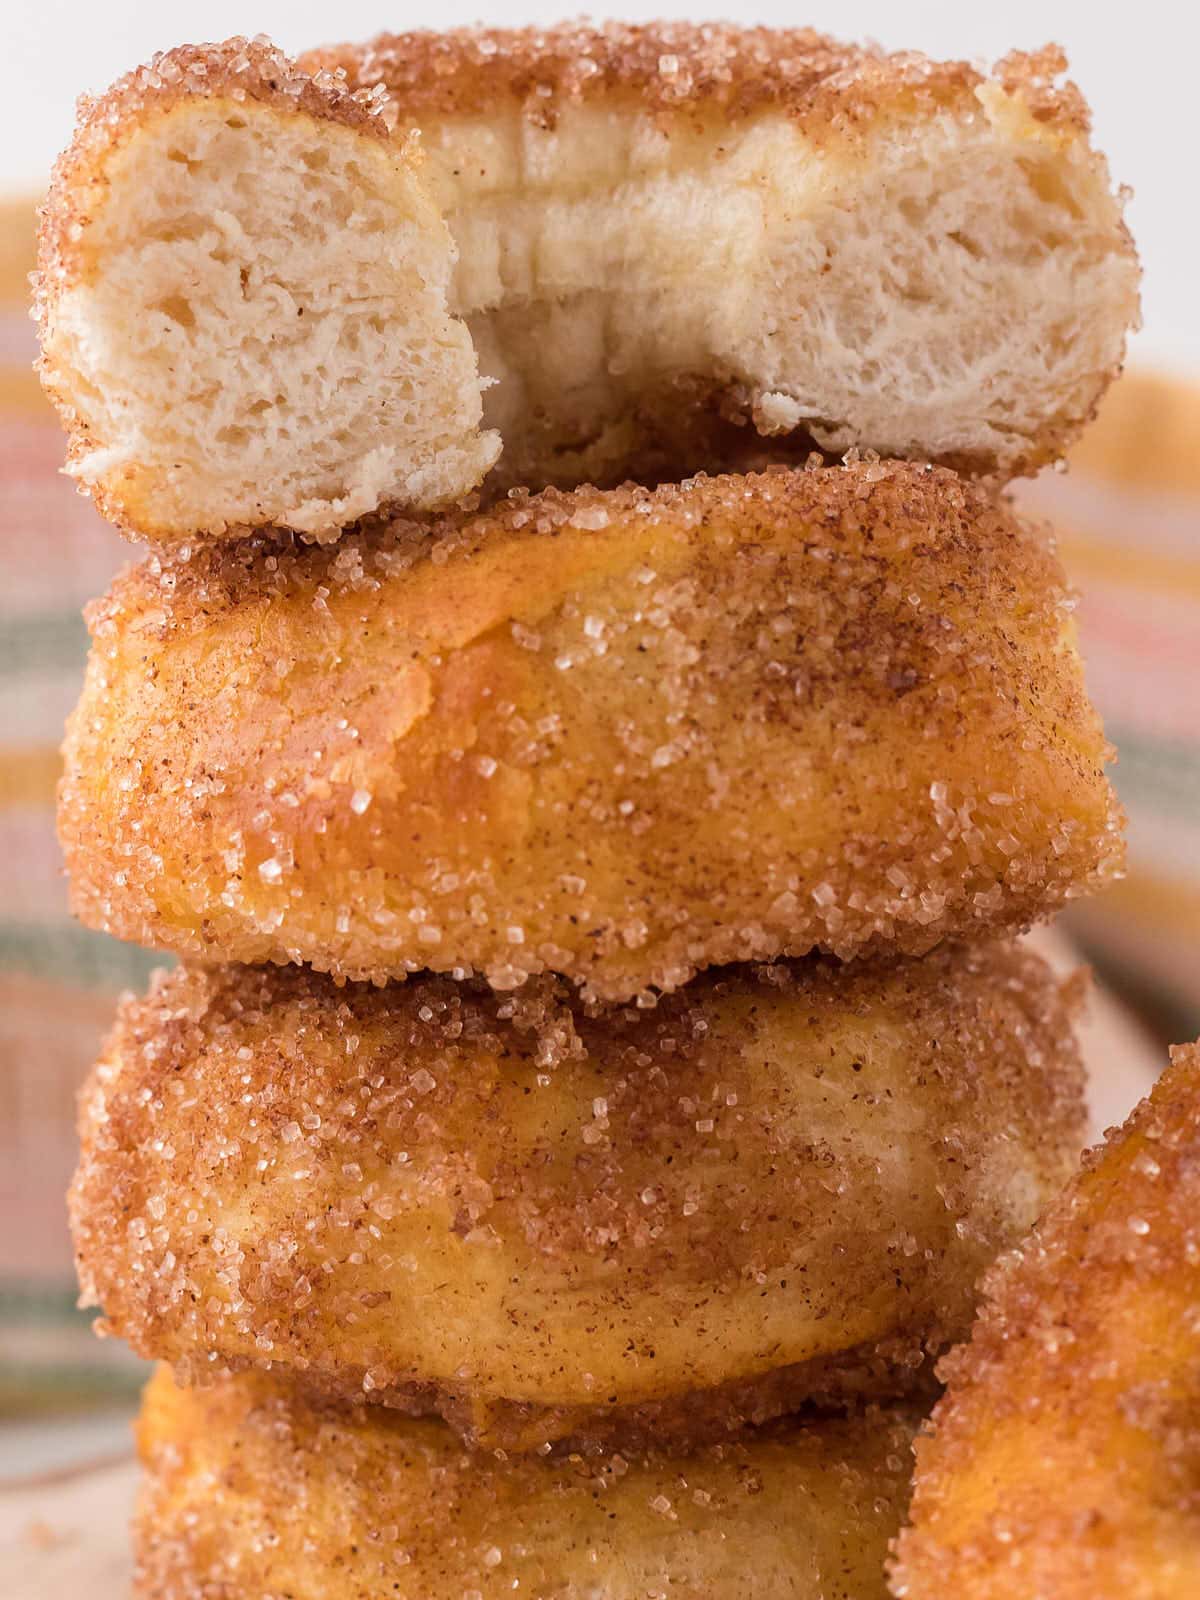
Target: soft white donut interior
column 932, row 287
column 264, row 334
column 278, row 318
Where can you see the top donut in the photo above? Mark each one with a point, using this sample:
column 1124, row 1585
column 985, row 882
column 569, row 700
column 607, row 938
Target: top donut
column 297, row 294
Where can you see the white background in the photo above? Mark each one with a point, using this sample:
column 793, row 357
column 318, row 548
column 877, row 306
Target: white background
column 1138, row 64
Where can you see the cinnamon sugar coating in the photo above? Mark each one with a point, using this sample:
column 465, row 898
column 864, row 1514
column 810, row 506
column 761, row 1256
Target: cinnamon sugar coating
column 248, row 1491
column 546, row 1219
column 680, row 69
column 615, row 735
column 1064, row 1459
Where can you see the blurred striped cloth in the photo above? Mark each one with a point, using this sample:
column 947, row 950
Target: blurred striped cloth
column 1127, row 518
column 58, row 982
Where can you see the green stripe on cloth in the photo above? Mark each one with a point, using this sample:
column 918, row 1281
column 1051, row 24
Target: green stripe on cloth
column 1163, row 771
column 21, row 1303
column 46, row 641
column 76, row 955
column 51, row 1362
column 29, row 1392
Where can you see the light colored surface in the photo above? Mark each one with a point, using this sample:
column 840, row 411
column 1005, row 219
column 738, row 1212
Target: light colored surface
column 1139, row 79
column 46, row 1449
column 67, row 1538
column 1122, row 1060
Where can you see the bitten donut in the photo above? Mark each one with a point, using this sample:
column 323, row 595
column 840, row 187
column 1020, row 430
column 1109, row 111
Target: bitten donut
column 547, row 1220
column 658, row 220
column 618, row 736
column 1064, row 1459
column 250, row 1492
column 243, row 297
column 660, row 232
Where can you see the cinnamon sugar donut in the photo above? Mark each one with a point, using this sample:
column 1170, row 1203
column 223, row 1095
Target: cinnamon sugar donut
column 547, row 1220
column 618, row 736
column 1064, row 1459
column 659, row 231
column 250, row 1492
column 658, row 220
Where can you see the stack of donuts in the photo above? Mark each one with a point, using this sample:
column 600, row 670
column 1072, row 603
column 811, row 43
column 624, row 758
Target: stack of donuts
column 593, row 729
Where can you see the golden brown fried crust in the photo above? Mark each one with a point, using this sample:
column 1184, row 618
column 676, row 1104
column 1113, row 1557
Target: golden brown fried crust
column 239, row 70
column 619, row 736
column 1065, row 1457
column 249, row 1491
column 682, row 69
column 549, row 1220
column 891, row 1370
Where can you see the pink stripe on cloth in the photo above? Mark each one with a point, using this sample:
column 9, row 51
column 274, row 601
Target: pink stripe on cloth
column 18, row 338
column 1143, row 659
column 35, row 889
column 56, row 552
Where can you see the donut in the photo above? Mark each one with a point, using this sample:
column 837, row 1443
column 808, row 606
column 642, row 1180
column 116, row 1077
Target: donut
column 617, row 735
column 243, row 298
column 549, row 1221
column 660, row 232
column 879, row 250
column 1064, row 1459
column 249, row 1491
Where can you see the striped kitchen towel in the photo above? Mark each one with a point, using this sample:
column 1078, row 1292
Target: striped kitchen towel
column 58, row 982
column 1127, row 517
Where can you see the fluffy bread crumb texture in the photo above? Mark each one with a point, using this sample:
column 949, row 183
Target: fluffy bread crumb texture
column 246, row 316
column 616, row 235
